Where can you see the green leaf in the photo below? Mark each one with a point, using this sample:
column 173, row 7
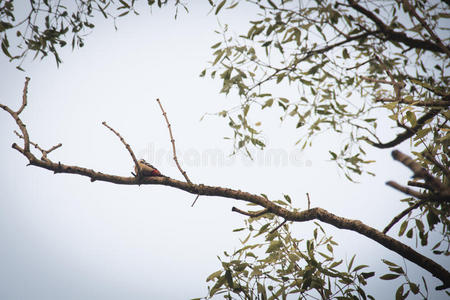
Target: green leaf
column 268, row 103
column 274, row 246
column 403, row 228
column 214, row 275
column 216, row 45
column 5, row 46
column 333, row 155
column 399, row 293
column 398, row 270
column 124, row 3
column 351, row 262
column 263, row 229
column 409, row 233
column 419, row 225
column 229, row 278
column 411, row 117
column 219, row 7
column 387, row 262
column 360, row 267
column 414, row 288
column 272, row 4
column 288, row 199
column 389, row 276
column 345, row 53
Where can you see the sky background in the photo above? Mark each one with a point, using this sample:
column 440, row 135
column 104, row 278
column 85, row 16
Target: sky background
column 63, row 237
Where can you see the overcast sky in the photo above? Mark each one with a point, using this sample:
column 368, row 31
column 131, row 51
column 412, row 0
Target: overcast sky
column 63, row 237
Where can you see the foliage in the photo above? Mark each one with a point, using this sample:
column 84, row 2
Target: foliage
column 346, row 70
column 50, row 25
column 271, row 265
column 356, row 69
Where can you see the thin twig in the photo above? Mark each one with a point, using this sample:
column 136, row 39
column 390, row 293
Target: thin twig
column 173, row 144
column 309, row 200
column 138, row 167
column 433, row 35
column 438, row 164
column 43, row 151
column 436, row 103
column 401, row 215
column 418, row 170
column 407, row 133
column 15, row 115
column 377, row 80
column 419, row 184
column 251, row 214
column 359, row 65
column 279, row 226
column 406, row 190
column 192, row 205
column 24, row 95
column 357, row 226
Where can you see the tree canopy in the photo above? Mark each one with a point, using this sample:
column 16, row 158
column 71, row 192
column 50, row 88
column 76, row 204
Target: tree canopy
column 375, row 73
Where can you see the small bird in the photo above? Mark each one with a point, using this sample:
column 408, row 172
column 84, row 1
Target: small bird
column 147, row 169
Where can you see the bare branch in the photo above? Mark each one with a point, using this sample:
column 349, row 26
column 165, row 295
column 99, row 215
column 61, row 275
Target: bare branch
column 251, row 214
column 418, row 170
column 402, row 214
column 406, row 190
column 15, row 116
column 420, row 185
column 24, row 95
column 173, row 144
column 44, row 152
column 138, row 167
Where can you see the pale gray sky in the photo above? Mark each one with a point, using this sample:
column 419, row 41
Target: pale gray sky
column 64, row 237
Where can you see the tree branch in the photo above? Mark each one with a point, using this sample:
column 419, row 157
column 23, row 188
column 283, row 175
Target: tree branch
column 396, row 36
column 402, row 214
column 407, row 133
column 251, row 214
column 173, row 145
column 44, row 152
column 418, row 170
column 438, row 41
column 437, row 103
column 138, row 167
column 268, row 206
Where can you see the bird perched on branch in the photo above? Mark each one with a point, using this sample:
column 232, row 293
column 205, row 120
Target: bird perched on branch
column 147, row 169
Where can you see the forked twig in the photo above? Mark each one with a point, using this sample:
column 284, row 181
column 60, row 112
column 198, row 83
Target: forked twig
column 441, row 192
column 172, row 140
column 44, row 152
column 138, row 167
